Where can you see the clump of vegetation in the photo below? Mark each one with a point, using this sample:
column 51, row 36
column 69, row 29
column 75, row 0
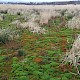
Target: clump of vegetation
column 21, row 53
column 74, row 55
column 18, row 13
column 8, row 34
column 74, row 23
column 4, row 11
column 63, row 12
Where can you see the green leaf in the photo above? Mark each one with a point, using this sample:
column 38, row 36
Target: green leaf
column 54, row 78
column 24, row 78
column 1, row 51
column 68, row 75
column 64, row 78
column 50, row 52
column 37, row 73
column 45, row 76
column 53, row 63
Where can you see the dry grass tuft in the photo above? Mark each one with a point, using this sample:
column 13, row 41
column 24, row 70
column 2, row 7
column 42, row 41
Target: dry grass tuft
column 74, row 55
column 74, row 23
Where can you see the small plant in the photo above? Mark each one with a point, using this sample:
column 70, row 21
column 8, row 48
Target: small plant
column 2, row 58
column 7, row 58
column 4, row 12
column 15, row 59
column 1, row 51
column 70, row 17
column 21, row 53
column 63, row 12
column 8, row 34
column 64, row 78
column 18, row 13
column 24, row 78
column 50, row 52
